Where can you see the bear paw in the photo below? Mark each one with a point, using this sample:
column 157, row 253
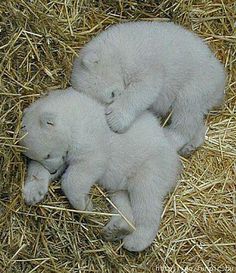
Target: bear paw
column 118, row 120
column 196, row 142
column 138, row 240
column 80, row 202
column 34, row 192
column 187, row 149
column 116, row 229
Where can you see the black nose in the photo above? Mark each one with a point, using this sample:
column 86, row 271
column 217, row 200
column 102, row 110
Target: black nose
column 53, row 172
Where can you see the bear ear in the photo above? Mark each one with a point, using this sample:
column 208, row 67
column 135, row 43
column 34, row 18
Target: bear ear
column 47, row 120
column 90, row 59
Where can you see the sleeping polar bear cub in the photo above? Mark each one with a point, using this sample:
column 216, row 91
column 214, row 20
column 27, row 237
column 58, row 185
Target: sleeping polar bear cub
column 67, row 131
column 152, row 65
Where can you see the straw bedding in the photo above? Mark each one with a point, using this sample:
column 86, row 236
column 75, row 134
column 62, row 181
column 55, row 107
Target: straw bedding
column 38, row 41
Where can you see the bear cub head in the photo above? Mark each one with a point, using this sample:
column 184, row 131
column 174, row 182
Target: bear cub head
column 45, row 133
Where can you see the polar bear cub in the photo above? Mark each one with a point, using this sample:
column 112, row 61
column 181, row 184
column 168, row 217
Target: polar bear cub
column 136, row 66
column 67, row 131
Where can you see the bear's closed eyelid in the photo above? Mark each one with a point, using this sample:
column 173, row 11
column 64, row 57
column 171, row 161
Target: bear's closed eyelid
column 50, row 123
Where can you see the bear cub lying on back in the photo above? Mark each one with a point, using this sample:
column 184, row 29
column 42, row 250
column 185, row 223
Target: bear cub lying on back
column 67, row 132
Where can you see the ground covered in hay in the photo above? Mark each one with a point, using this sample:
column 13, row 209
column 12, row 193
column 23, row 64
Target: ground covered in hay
column 38, row 40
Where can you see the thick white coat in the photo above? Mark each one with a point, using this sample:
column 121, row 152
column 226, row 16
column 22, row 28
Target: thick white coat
column 67, row 131
column 152, row 65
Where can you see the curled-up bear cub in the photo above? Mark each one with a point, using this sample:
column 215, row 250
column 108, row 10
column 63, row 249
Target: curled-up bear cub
column 66, row 132
column 132, row 67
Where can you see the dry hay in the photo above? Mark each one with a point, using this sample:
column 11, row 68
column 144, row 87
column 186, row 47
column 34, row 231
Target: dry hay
column 38, row 40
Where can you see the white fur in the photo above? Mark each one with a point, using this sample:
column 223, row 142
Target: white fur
column 154, row 65
column 137, row 168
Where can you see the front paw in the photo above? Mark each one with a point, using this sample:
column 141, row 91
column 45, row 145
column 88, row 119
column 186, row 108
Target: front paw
column 139, row 240
column 118, row 120
column 77, row 200
column 81, row 202
column 34, row 192
column 116, row 229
